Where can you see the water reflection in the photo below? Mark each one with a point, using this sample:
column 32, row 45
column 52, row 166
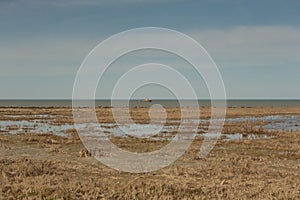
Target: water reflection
column 46, row 124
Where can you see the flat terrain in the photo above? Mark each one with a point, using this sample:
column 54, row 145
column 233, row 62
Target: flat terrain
column 47, row 166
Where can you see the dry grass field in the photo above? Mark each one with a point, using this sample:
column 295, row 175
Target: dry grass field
column 46, row 166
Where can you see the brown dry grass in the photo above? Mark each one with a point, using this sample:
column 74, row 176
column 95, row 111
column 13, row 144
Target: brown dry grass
column 45, row 166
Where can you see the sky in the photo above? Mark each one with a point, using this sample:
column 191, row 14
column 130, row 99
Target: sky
column 255, row 44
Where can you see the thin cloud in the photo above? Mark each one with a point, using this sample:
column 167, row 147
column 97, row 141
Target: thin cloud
column 252, row 46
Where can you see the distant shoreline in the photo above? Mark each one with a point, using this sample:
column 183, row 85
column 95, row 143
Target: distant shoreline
column 39, row 103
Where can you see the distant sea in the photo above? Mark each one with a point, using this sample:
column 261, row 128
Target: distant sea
column 139, row 103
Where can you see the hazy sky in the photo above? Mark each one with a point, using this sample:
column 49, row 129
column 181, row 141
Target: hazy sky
column 256, row 44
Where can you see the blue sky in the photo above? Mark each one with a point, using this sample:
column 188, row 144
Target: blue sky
column 256, row 44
